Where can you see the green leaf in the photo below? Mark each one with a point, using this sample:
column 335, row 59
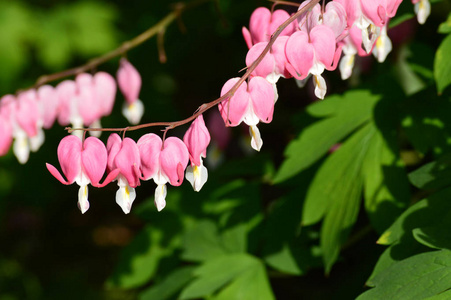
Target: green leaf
column 335, row 193
column 337, row 178
column 434, row 175
column 426, row 122
column 445, row 27
column 290, row 259
column 442, row 65
column 395, row 253
column 169, row 286
column 253, row 284
column 139, row 260
column 340, row 115
column 408, row 79
column 203, row 242
column 442, row 296
column 422, row 214
column 437, row 236
column 387, row 190
column 215, row 273
column 423, row 275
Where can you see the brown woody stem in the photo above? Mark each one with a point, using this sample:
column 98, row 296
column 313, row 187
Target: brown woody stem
column 206, row 106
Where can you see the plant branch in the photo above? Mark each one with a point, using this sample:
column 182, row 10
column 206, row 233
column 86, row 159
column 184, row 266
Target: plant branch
column 158, row 28
column 206, row 106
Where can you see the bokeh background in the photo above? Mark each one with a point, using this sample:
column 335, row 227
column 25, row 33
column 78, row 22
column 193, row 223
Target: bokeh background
column 49, row 250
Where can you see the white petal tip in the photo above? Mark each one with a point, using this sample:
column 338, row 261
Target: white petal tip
column 256, row 141
column 197, row 176
column 125, row 196
column 160, row 197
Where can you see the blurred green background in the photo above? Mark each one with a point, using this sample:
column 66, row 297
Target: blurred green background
column 49, row 250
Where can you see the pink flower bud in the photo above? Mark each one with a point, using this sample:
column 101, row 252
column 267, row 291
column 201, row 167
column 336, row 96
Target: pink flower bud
column 196, row 140
column 129, row 81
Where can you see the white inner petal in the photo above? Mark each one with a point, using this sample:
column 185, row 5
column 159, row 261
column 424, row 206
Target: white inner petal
column 256, row 141
column 197, row 175
column 320, row 86
column 21, row 146
column 383, row 46
column 346, row 66
column 160, row 196
column 37, row 140
column 83, row 203
column 133, row 112
column 95, row 124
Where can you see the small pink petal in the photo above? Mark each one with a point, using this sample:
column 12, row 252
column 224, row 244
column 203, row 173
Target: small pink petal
column 232, row 110
column 173, row 159
column 6, row 137
column 48, row 100
column 69, row 156
column 299, row 53
column 262, row 97
column 149, row 146
column 66, row 96
column 197, row 138
column 88, row 104
column 56, row 174
column 94, row 159
column 129, row 80
column 247, row 37
column 323, row 40
column 258, row 25
column 113, row 146
column 105, row 91
column 27, row 112
column 127, row 160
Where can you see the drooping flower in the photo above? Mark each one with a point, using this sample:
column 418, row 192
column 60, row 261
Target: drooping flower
column 312, row 53
column 129, row 82
column 162, row 162
column 86, row 100
column 369, row 17
column 251, row 103
column 124, row 155
column 83, row 163
column 197, row 139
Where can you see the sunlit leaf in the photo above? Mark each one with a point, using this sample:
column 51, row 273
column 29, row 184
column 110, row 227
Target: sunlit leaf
column 420, row 276
column 422, row 214
column 340, row 115
column 169, row 286
column 442, row 65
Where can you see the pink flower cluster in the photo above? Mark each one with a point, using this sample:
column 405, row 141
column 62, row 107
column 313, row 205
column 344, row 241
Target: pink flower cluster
column 80, row 102
column 305, row 48
column 128, row 162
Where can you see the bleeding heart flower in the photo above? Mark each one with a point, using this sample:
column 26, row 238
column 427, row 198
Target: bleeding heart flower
column 83, row 163
column 162, row 162
column 124, row 155
column 251, row 103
